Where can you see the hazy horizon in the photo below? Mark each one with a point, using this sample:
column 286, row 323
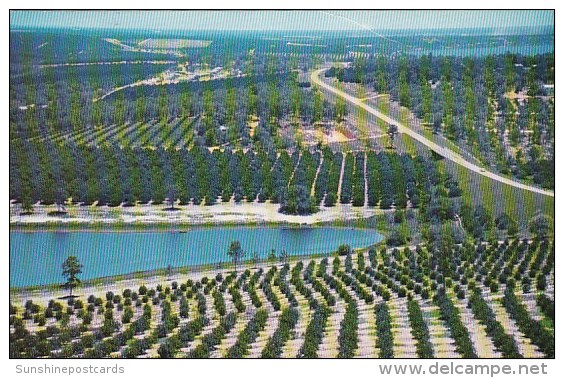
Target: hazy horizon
column 290, row 21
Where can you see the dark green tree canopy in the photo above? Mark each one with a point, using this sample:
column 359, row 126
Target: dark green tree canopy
column 235, row 252
column 71, row 269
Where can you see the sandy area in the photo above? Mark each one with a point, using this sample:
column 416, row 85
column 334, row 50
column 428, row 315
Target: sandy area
column 323, row 135
column 222, row 212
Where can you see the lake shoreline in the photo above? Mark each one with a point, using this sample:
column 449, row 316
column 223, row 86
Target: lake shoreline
column 158, row 216
column 358, row 223
column 147, row 227
column 178, row 273
column 108, row 253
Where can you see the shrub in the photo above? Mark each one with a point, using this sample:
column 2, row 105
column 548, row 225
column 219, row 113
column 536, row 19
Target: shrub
column 348, row 264
column 360, row 261
column 330, row 199
column 127, row 315
column 142, row 290
column 219, row 303
column 287, row 322
column 344, row 250
column 402, row 292
column 419, row 330
column 425, row 294
column 451, row 315
column 188, row 332
column 238, row 300
column 511, row 283
column 385, row 340
column 395, row 238
column 248, row 335
column 502, row 341
column 212, row 339
column 314, row 333
column 541, row 282
column 270, row 295
column 170, row 347
column 40, row 320
column 201, row 303
column 184, row 308
column 348, row 333
column 533, row 329
column 546, row 305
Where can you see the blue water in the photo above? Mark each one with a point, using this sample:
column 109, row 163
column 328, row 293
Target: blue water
column 36, row 257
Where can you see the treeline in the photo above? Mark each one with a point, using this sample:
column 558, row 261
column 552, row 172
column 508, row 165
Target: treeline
column 51, row 173
column 113, row 175
column 327, row 183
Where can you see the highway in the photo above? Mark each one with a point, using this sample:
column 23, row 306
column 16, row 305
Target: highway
column 443, row 151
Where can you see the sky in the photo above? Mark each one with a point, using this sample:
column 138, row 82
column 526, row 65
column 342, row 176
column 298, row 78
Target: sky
column 281, row 20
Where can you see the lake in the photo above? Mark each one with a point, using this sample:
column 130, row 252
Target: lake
column 36, row 257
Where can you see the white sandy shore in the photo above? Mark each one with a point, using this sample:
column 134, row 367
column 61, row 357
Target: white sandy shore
column 222, row 212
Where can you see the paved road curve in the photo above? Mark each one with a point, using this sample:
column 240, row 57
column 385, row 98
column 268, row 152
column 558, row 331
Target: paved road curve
column 443, row 151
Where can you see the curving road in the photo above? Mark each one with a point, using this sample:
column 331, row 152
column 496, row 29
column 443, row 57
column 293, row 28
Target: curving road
column 443, row 151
